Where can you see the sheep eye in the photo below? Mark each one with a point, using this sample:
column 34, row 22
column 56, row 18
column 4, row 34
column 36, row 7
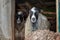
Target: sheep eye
column 30, row 12
column 36, row 13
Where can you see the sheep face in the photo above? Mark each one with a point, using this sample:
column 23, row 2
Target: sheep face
column 34, row 14
column 19, row 17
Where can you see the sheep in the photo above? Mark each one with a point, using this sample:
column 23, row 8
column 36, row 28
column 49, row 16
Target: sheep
column 20, row 19
column 36, row 21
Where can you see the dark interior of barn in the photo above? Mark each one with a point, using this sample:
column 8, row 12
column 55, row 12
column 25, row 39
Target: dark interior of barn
column 48, row 7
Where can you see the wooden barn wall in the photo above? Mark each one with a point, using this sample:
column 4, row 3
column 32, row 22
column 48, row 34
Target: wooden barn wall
column 6, row 16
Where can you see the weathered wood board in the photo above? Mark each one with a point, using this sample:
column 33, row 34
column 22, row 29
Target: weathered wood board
column 5, row 20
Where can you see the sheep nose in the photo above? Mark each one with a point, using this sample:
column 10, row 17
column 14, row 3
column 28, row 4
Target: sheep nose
column 33, row 19
column 18, row 20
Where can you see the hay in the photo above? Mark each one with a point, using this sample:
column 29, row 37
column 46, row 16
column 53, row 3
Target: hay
column 43, row 35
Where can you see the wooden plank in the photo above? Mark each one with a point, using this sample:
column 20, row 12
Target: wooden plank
column 12, row 18
column 6, row 20
column 53, row 13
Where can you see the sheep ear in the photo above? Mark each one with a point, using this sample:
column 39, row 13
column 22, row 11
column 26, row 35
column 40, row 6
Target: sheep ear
column 22, row 15
column 30, row 12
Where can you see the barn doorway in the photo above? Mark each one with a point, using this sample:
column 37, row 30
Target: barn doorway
column 49, row 7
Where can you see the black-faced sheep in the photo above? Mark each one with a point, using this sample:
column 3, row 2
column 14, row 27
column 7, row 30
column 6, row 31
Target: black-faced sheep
column 19, row 20
column 19, row 27
column 35, row 21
